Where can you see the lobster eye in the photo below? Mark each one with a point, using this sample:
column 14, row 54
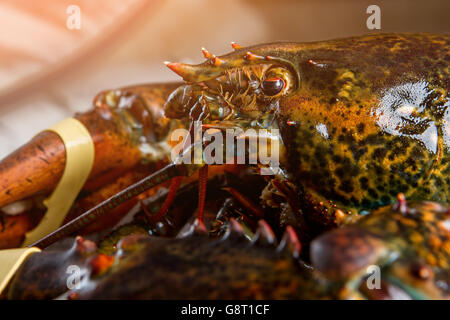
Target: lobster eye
column 273, row 86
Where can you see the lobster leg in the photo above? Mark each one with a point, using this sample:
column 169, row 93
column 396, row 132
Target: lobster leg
column 175, row 185
column 246, row 203
column 202, row 182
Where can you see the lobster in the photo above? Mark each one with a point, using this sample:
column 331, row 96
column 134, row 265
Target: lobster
column 361, row 120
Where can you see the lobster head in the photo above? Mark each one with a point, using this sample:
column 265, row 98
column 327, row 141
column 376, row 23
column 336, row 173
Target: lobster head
column 243, row 87
column 358, row 117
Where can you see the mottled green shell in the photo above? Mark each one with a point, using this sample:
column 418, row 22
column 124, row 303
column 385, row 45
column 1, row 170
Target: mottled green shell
column 168, row 268
column 370, row 119
column 200, row 268
column 410, row 243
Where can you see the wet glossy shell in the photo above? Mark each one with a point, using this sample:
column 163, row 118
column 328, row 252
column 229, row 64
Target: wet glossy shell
column 371, row 119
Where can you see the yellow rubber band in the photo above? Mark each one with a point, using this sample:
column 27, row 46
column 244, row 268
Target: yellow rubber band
column 11, row 260
column 80, row 154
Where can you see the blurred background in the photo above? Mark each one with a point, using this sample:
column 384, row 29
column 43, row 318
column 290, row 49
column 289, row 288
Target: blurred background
column 55, row 55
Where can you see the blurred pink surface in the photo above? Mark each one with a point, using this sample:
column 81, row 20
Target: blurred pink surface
column 48, row 72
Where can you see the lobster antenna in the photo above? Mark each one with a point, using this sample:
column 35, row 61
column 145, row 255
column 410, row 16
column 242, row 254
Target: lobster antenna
column 93, row 214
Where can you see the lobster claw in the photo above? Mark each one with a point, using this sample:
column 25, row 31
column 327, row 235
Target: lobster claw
column 37, row 166
column 34, row 170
